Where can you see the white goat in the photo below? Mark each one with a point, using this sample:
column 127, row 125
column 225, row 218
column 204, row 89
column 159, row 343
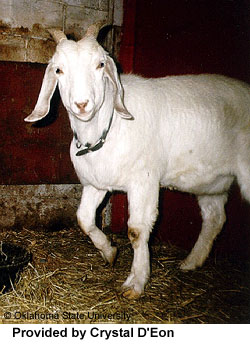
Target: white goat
column 188, row 132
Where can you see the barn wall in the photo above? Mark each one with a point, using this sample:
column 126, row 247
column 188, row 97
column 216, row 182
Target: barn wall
column 23, row 23
column 37, row 206
column 38, row 186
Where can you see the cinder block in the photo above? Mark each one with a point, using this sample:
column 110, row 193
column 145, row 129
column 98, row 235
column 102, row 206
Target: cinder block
column 26, row 13
column 39, row 50
column 51, row 206
column 12, row 48
column 94, row 4
column 77, row 19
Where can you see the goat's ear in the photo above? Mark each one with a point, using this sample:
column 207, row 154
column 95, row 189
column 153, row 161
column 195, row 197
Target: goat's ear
column 119, row 106
column 47, row 90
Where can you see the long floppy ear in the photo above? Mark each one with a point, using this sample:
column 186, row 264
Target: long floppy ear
column 119, row 106
column 47, row 90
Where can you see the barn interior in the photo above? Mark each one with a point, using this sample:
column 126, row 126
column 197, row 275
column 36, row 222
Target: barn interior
column 65, row 275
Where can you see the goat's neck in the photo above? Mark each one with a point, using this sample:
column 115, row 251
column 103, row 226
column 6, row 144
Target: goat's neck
column 92, row 130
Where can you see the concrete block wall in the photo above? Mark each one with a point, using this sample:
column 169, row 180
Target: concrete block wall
column 50, row 206
column 39, row 206
column 23, row 23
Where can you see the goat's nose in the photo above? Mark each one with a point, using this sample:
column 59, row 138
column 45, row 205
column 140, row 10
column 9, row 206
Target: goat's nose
column 82, row 105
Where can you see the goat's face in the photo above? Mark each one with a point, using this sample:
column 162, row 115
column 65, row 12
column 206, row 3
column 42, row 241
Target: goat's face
column 86, row 76
column 79, row 68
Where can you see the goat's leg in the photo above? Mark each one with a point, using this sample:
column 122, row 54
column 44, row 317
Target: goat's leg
column 143, row 202
column 91, row 199
column 213, row 215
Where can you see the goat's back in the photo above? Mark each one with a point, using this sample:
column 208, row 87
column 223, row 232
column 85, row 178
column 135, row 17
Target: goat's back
column 179, row 108
column 188, row 95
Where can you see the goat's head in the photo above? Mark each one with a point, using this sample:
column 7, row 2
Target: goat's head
column 85, row 74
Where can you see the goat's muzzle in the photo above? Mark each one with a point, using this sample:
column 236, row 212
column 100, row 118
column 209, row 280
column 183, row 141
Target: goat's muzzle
column 82, row 105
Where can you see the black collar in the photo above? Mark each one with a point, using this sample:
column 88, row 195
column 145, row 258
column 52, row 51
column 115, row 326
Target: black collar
column 88, row 147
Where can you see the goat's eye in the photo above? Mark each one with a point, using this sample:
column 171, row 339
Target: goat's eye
column 101, row 65
column 59, row 71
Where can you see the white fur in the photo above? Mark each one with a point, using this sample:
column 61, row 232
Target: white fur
column 189, row 132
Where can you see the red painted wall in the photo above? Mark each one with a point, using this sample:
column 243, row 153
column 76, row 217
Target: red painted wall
column 178, row 37
column 31, row 154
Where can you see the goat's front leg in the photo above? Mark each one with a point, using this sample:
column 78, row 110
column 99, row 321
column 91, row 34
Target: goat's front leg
column 91, row 199
column 143, row 203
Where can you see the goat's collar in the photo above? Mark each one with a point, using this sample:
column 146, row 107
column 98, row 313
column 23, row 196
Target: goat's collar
column 88, row 147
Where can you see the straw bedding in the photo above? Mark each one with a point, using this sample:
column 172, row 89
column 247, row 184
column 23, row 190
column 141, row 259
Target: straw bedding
column 67, row 282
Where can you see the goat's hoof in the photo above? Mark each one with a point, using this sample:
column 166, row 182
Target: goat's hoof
column 110, row 257
column 131, row 294
column 192, row 262
column 187, row 266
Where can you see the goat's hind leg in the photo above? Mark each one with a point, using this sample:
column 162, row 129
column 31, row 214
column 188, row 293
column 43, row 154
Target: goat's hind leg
column 91, row 199
column 213, row 215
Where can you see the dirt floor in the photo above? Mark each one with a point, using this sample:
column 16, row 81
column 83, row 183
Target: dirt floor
column 67, row 282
